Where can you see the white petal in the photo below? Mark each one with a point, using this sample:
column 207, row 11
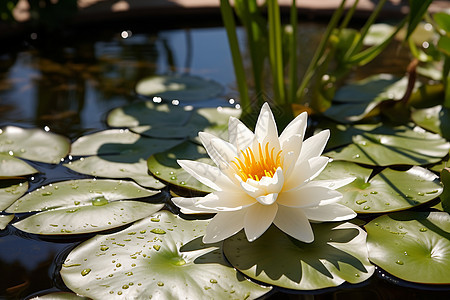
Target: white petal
column 329, row 212
column 226, row 150
column 296, row 126
column 314, row 146
column 295, row 223
column 305, row 171
column 189, row 205
column 206, row 138
column 266, row 129
column 267, row 185
column 239, row 135
column 267, row 199
column 225, row 201
column 307, row 195
column 333, row 184
column 257, row 219
column 207, row 174
column 291, row 150
column 223, row 225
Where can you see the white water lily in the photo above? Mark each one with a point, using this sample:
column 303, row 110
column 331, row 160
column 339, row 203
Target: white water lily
column 262, row 178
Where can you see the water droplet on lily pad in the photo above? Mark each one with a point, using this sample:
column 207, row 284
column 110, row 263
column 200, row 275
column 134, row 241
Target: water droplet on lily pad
column 158, row 231
column 359, row 202
column 423, row 229
column 99, row 201
column 399, row 262
column 85, row 272
column 160, row 283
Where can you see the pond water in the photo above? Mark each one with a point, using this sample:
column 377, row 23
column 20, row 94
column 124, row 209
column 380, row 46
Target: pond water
column 68, row 85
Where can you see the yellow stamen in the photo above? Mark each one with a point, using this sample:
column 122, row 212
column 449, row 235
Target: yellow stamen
column 249, row 167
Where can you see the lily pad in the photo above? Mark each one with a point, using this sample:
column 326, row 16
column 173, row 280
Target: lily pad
column 59, row 296
column 445, row 196
column 33, row 144
column 435, row 119
column 168, row 121
column 181, row 87
column 164, row 166
column 338, row 254
column 77, row 193
column 387, row 191
column 413, row 246
column 10, row 191
column 160, row 257
column 97, row 216
column 11, row 166
column 357, row 101
column 119, row 154
column 403, row 146
column 4, row 220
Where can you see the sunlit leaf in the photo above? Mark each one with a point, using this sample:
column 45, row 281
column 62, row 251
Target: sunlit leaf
column 443, row 20
column 164, row 166
column 414, row 246
column 10, row 191
column 182, row 88
column 75, row 193
column 4, row 220
column 436, row 119
column 387, row 191
column 11, row 166
column 160, row 257
column 377, row 34
column 119, row 154
column 33, row 144
column 338, row 254
column 401, row 146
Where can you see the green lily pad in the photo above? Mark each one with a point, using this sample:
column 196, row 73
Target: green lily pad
column 338, row 254
column 414, row 246
column 4, row 220
column 118, row 154
column 77, row 193
column 387, row 191
column 10, row 191
column 168, row 121
column 33, row 144
column 183, row 88
column 445, row 196
column 436, row 119
column 160, row 257
column 403, row 146
column 359, row 100
column 11, row 166
column 164, row 166
column 97, row 216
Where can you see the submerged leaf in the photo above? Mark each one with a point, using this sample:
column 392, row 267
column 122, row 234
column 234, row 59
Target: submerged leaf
column 160, row 257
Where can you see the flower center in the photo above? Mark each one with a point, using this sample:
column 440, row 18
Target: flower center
column 250, row 166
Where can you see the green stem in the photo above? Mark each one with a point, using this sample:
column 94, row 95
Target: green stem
column 275, row 50
column 320, row 50
column 230, row 27
column 293, row 54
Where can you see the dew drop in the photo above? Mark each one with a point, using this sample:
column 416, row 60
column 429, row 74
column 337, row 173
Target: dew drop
column 366, row 207
column 156, row 247
column 359, row 202
column 99, row 201
column 432, row 192
column 374, row 192
column 47, row 194
column 213, row 281
column 355, row 156
column 171, row 173
column 420, row 193
column 173, row 177
column 423, row 229
column 160, row 283
column 104, row 248
column 356, row 275
column 154, row 219
column 125, row 286
column 85, row 272
column 399, row 262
